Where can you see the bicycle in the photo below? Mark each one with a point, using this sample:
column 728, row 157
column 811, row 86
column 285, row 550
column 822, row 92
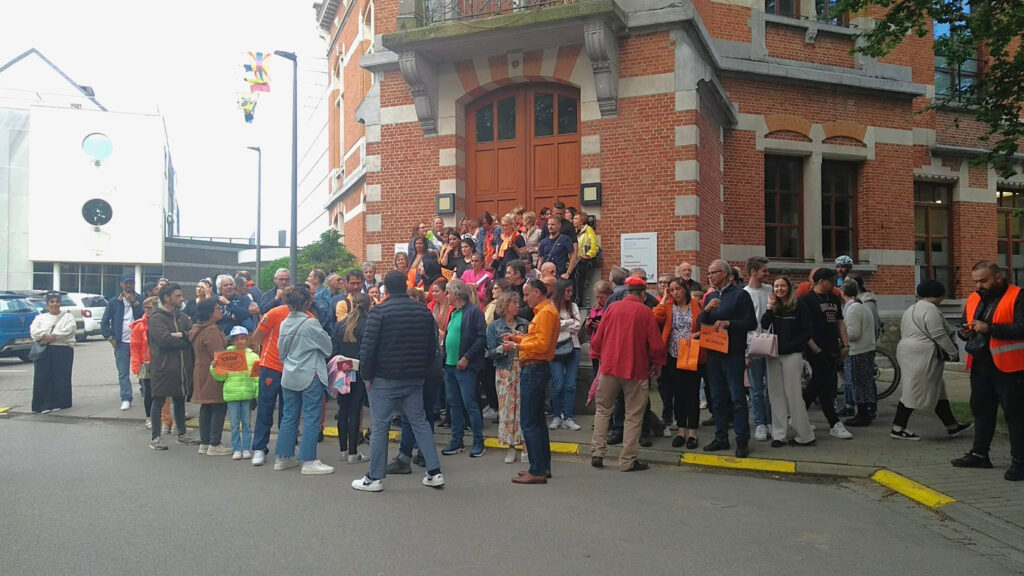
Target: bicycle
column 887, row 374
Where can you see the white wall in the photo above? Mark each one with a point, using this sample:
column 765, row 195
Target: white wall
column 62, row 178
column 15, row 268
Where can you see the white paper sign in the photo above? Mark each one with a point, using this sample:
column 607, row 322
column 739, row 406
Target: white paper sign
column 401, row 248
column 640, row 251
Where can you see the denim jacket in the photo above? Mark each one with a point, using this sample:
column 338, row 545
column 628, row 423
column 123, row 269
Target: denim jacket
column 502, row 358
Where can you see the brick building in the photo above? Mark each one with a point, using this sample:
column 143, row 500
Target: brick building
column 731, row 128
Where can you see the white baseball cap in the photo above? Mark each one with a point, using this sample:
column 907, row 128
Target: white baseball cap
column 238, row 331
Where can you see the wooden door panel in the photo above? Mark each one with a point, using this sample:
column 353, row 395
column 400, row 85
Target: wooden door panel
column 508, row 173
column 483, row 179
column 545, row 167
column 568, row 165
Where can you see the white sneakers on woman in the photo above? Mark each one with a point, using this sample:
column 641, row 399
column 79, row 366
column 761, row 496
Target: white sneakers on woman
column 316, row 467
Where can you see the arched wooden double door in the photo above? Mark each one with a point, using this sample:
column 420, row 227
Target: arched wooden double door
column 523, row 147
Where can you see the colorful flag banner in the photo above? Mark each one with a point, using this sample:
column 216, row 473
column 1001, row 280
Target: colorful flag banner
column 259, row 79
column 247, row 102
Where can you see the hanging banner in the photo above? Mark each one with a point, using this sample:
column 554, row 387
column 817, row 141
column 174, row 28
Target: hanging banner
column 258, row 78
column 247, row 102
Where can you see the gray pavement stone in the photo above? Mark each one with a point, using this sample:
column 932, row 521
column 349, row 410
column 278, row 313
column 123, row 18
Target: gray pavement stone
column 985, row 501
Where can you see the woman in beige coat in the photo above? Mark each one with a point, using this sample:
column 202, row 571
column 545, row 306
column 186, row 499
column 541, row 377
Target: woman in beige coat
column 207, row 340
column 924, row 333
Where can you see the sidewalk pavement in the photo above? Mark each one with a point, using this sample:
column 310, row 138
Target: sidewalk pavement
column 980, row 499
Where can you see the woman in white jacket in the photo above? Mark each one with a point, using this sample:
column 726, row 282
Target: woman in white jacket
column 859, row 366
column 51, row 383
column 924, row 334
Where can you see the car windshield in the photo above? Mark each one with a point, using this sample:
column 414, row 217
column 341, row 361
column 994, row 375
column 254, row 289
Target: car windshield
column 14, row 306
column 94, row 301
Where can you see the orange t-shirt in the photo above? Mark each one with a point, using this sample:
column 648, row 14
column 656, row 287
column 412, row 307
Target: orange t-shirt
column 270, row 326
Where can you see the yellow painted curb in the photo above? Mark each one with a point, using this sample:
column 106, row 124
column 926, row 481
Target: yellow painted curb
column 493, row 443
column 564, row 447
column 4, row 409
column 331, row 431
column 916, row 492
column 782, row 466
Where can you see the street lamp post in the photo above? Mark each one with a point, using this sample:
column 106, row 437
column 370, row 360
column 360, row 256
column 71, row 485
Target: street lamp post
column 259, row 207
column 293, row 249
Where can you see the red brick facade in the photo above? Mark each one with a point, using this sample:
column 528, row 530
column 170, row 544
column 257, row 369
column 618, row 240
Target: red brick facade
column 665, row 145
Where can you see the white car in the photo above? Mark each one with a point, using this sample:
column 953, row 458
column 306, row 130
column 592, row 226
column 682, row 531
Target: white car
column 93, row 306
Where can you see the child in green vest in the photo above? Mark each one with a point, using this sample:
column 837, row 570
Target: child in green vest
column 239, row 391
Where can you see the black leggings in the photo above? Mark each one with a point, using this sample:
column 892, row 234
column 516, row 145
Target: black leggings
column 942, row 410
column 823, row 385
column 350, row 408
column 147, row 395
column 680, row 392
column 211, row 423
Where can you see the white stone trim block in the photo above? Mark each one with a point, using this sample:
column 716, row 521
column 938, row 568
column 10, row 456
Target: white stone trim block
column 373, row 192
column 398, row 114
column 687, row 171
column 373, row 223
column 688, row 241
column 373, row 252
column 688, row 135
column 740, row 252
column 446, row 157
column 373, row 163
column 590, row 175
column 887, row 257
column 647, row 85
column 590, row 145
column 687, row 206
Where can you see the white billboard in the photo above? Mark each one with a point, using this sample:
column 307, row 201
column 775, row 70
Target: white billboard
column 97, row 186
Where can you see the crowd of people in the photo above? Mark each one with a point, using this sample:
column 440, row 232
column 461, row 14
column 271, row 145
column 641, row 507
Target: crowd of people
column 487, row 323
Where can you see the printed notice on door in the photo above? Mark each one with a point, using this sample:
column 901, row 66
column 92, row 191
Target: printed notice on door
column 641, row 251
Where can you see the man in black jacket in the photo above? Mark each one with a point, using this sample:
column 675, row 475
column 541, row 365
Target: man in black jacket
column 121, row 312
column 398, row 349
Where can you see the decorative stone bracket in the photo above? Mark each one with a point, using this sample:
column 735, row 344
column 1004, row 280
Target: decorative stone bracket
column 603, row 50
column 421, row 76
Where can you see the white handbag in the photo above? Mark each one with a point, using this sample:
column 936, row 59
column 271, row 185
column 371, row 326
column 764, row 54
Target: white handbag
column 763, row 344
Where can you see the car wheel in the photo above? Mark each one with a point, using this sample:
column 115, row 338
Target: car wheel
column 80, row 338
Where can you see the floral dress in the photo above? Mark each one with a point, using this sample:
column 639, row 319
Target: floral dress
column 506, row 381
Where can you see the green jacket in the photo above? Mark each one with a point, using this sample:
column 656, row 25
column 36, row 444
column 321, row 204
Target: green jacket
column 239, row 386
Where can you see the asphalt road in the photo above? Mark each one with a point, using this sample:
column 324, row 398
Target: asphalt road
column 87, row 497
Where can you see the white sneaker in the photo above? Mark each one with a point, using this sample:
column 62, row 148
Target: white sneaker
column 316, row 467
column 285, row 463
column 203, row 448
column 813, row 427
column 259, row 457
column 125, row 405
column 761, row 433
column 667, row 433
column 525, row 458
column 149, row 424
column 840, row 431
column 570, row 424
column 434, row 481
column 671, row 425
column 220, row 450
column 344, row 456
column 236, row 455
column 247, row 454
column 364, row 484
column 510, row 456
column 556, row 423
column 356, row 458
column 489, row 413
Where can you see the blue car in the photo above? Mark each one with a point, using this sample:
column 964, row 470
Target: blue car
column 16, row 316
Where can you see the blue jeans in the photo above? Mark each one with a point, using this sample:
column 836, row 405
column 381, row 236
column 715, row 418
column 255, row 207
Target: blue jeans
column 241, row 434
column 460, row 386
column 123, row 361
column 309, row 402
column 407, row 395
column 533, row 381
column 563, row 383
column 760, row 409
column 408, row 439
column 725, row 374
column 268, row 398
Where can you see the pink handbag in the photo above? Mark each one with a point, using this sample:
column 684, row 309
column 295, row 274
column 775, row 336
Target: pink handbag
column 763, row 345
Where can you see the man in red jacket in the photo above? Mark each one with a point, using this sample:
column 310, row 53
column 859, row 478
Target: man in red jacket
column 631, row 350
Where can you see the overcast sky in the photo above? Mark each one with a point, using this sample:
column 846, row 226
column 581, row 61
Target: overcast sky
column 184, row 59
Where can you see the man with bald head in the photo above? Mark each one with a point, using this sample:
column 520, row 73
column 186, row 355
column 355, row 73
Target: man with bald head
column 728, row 307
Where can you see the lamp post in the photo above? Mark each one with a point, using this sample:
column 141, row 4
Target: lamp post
column 259, row 206
column 293, row 249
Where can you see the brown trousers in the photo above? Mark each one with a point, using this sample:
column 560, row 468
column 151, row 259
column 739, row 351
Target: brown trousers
column 635, row 393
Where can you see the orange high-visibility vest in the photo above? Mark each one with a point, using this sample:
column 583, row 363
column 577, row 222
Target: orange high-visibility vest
column 1008, row 355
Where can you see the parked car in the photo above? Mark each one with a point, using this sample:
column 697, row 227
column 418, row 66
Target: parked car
column 37, row 298
column 16, row 316
column 93, row 306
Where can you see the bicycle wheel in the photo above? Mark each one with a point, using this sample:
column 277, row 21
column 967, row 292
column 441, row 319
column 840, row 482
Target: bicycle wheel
column 887, row 373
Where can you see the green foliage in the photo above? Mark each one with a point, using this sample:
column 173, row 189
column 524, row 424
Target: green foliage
column 997, row 97
column 328, row 254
